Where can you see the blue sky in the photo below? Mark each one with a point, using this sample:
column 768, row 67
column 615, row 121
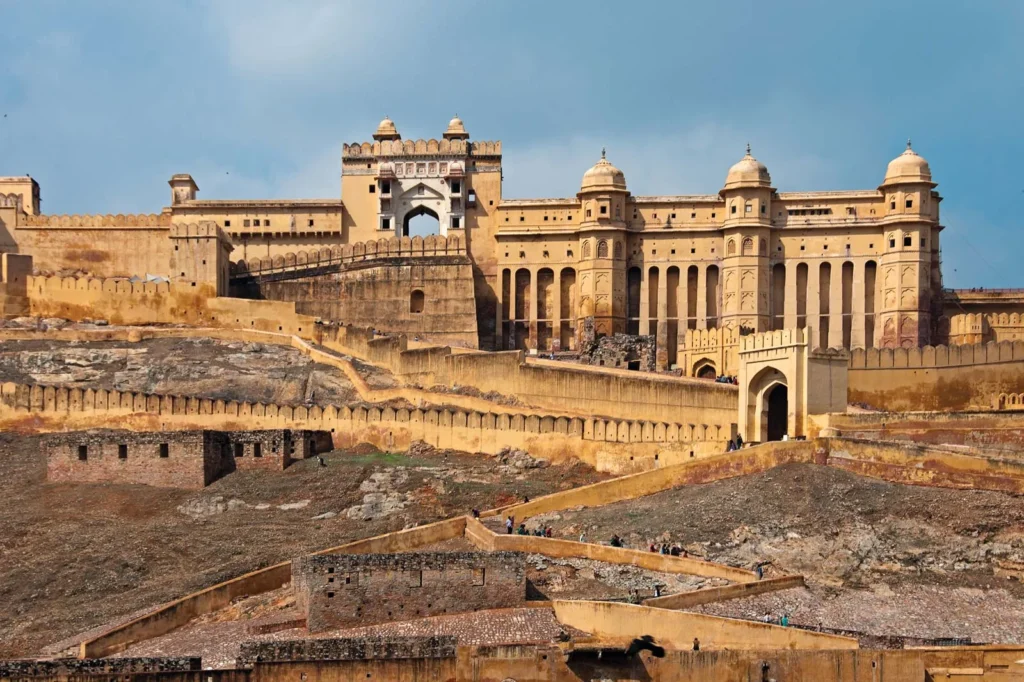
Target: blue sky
column 105, row 100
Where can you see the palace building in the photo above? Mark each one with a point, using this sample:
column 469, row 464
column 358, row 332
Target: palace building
column 856, row 269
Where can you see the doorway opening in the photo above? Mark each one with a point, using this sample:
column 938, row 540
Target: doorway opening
column 420, row 222
column 778, row 411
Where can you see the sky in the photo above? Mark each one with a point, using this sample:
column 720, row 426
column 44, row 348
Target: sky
column 104, row 100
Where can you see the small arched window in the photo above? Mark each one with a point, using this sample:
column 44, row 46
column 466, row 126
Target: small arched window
column 416, row 301
column 730, row 248
column 602, row 249
column 618, row 249
column 748, row 246
column 586, row 249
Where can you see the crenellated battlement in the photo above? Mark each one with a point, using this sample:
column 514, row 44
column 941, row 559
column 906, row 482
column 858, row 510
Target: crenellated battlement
column 779, row 338
column 699, row 339
column 937, row 356
column 202, row 229
column 42, row 285
column 431, row 147
column 142, row 220
column 392, row 247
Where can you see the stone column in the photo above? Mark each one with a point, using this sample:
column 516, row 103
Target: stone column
column 835, row 305
column 702, row 297
column 534, row 295
column 499, row 328
column 858, row 325
column 645, row 301
column 813, row 309
column 556, row 314
column 683, row 301
column 789, row 317
column 512, row 309
column 662, row 331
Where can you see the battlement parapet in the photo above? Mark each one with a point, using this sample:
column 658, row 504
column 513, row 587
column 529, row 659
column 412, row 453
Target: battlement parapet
column 41, row 284
column 774, row 339
column 695, row 339
column 200, row 230
column 432, row 147
column 37, row 398
column 392, row 247
column 937, row 356
column 142, row 220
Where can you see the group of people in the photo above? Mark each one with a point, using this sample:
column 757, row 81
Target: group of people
column 664, row 548
column 727, row 380
column 783, row 620
column 734, row 443
column 521, row 529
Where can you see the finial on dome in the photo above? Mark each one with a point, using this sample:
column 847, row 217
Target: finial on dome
column 908, row 143
column 748, row 149
column 602, row 152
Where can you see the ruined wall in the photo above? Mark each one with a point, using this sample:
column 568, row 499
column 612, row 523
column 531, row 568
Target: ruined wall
column 184, row 459
column 103, row 246
column 993, row 431
column 348, row 590
column 347, row 649
column 939, row 378
column 626, row 351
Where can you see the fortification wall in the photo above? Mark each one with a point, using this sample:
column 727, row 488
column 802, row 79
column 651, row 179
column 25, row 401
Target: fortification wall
column 614, row 622
column 607, row 444
column 431, row 301
column 939, row 378
column 994, row 431
column 687, row 600
column 103, row 245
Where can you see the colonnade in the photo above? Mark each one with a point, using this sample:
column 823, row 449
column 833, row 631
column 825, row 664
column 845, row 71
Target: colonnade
column 834, row 298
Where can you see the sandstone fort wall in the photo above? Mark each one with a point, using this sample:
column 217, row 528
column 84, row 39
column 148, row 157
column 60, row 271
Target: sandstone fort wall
column 936, row 377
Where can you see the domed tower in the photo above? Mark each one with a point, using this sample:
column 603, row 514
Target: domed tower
column 456, row 130
column 387, row 131
column 602, row 234
column 746, row 233
column 910, row 278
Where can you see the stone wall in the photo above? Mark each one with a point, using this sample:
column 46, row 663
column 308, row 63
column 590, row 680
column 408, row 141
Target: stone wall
column 183, row 459
column 350, row 649
column 174, row 459
column 625, row 351
column 360, row 589
column 96, row 666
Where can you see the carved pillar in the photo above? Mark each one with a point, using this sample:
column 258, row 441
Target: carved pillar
column 812, row 306
column 789, row 316
column 702, row 297
column 512, row 336
column 835, row 307
column 857, row 305
column 662, row 331
column 499, row 328
column 534, row 296
column 556, row 313
column 645, row 301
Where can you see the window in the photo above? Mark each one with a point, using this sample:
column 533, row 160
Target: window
column 257, row 449
column 910, row 203
column 712, row 215
column 568, row 253
column 803, row 248
column 456, row 222
column 733, row 208
column 239, row 450
column 311, row 222
column 456, row 187
column 522, row 219
column 245, row 223
column 588, row 213
column 122, row 451
column 748, row 208
column 471, row 198
column 764, row 208
column 604, row 210
column 415, row 578
column 545, row 254
column 227, row 223
column 479, row 576
column 385, row 187
column 373, row 189
column 568, row 217
column 165, row 450
column 850, row 210
column 907, row 241
column 892, row 243
column 693, row 250
column 693, row 215
column 416, row 301
column 892, row 204
column 673, row 216
column 545, row 218
column 330, row 595
column 385, row 223
column 83, row 453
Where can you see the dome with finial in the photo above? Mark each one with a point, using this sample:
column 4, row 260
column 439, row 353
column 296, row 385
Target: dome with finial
column 908, row 167
column 387, row 130
column 456, row 131
column 748, row 172
column 603, row 177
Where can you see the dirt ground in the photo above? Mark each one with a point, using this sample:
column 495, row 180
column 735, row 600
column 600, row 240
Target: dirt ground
column 878, row 557
column 73, row 557
column 202, row 367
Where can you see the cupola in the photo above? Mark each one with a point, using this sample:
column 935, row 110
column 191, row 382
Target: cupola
column 456, row 131
column 748, row 172
column 387, row 130
column 908, row 167
column 603, row 177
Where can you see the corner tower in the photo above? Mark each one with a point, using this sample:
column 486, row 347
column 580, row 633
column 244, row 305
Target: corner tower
column 746, row 233
column 911, row 225
column 602, row 235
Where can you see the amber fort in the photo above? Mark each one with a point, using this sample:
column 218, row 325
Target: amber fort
column 546, row 371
